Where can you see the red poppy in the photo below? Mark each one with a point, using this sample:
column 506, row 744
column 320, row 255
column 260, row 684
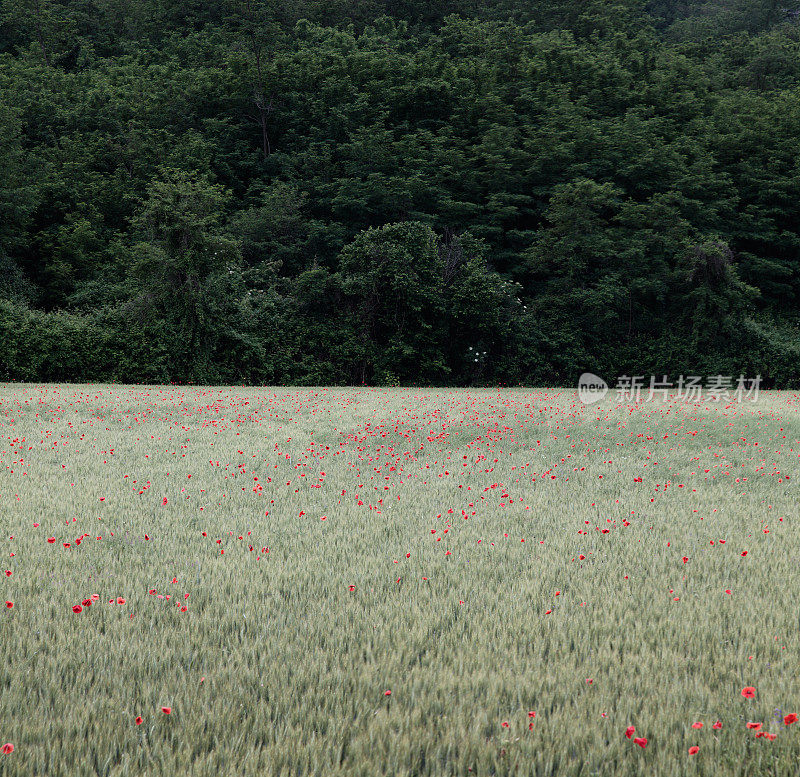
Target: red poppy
column 7, row 748
column 77, row 608
column 531, row 714
column 754, row 726
column 697, row 725
column 749, row 692
column 120, row 600
column 9, row 605
column 164, row 501
column 387, row 693
column 641, row 741
column 694, row 750
column 717, row 725
column 352, row 588
column 504, row 724
column 138, row 720
column 166, row 710
column 51, row 540
column 630, row 731
column 744, row 553
column 769, row 736
column 790, row 718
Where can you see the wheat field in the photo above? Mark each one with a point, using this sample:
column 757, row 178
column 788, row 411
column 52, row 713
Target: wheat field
column 396, row 581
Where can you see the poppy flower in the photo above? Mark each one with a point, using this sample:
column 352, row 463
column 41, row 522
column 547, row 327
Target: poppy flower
column 717, row 725
column 531, row 714
column 694, row 750
column 166, row 710
column 630, row 731
column 754, row 726
column 749, row 692
column 641, row 741
column 744, row 553
column 9, row 605
column 7, row 748
column 769, row 736
column 164, row 501
column 120, row 600
column 697, row 725
column 504, row 724
column 387, row 693
column 351, row 588
column 138, row 720
column 77, row 608
column 790, row 718
column 51, row 540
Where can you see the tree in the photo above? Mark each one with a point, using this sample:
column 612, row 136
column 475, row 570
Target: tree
column 186, row 278
column 391, row 277
column 423, row 308
column 713, row 300
column 17, row 202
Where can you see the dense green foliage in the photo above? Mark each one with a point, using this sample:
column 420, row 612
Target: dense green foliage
column 446, row 191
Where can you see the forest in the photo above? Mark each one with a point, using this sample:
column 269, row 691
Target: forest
column 399, row 192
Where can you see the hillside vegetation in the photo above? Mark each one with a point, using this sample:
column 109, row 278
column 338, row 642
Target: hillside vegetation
column 384, row 191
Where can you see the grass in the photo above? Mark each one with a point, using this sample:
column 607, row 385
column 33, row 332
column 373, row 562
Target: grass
column 276, row 667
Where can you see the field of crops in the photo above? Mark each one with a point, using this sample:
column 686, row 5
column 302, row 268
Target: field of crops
column 363, row 581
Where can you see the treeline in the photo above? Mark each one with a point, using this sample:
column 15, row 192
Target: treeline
column 399, row 191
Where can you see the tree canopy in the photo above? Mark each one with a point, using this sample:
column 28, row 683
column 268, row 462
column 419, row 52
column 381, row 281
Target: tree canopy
column 390, row 191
